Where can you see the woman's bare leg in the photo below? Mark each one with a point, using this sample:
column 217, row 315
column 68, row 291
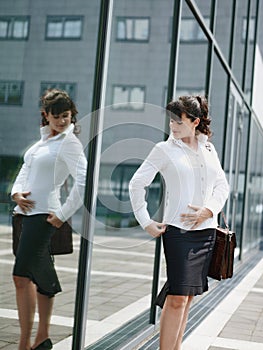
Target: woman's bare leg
column 26, row 304
column 45, row 306
column 183, row 325
column 172, row 319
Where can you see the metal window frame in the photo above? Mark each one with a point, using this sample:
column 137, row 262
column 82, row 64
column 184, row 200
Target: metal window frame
column 58, row 85
column 133, row 18
column 63, row 19
column 21, row 86
column 11, row 20
column 129, row 87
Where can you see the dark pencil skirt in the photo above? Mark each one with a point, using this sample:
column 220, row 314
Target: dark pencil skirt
column 188, row 255
column 33, row 259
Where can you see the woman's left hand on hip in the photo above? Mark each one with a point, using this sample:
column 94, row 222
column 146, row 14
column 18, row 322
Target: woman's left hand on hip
column 54, row 220
column 196, row 218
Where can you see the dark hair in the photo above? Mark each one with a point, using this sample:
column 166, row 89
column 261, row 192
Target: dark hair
column 194, row 107
column 57, row 101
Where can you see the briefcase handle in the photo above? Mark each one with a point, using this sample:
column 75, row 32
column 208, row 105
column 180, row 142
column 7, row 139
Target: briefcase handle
column 225, row 220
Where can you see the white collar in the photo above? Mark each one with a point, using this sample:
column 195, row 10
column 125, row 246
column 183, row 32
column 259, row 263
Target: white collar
column 202, row 138
column 45, row 131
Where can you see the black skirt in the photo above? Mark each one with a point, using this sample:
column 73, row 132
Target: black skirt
column 188, row 255
column 33, row 258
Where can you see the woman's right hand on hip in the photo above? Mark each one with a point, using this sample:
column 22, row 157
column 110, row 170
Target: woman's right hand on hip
column 21, row 200
column 155, row 229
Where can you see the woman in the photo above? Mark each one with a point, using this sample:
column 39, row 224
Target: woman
column 36, row 191
column 196, row 191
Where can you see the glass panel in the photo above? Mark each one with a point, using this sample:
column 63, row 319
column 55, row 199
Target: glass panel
column 137, row 96
column 204, row 7
column 34, row 63
column 20, row 29
column 187, row 29
column 129, row 29
column 72, row 29
column 218, row 103
column 251, row 30
column 123, row 253
column 254, row 191
column 186, row 69
column 54, row 29
column 120, row 95
column 239, row 45
column 3, row 92
column 223, row 25
column 141, row 29
column 15, row 93
column 3, row 28
column 250, row 53
column 121, row 29
column 191, row 31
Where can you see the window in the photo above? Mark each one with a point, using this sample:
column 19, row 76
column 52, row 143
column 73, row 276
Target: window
column 251, row 31
column 133, row 29
column 190, row 30
column 70, row 88
column 14, row 27
column 183, row 91
column 64, row 27
column 128, row 97
column 11, row 92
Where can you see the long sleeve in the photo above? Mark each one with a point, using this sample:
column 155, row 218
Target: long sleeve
column 220, row 190
column 20, row 180
column 142, row 178
column 73, row 156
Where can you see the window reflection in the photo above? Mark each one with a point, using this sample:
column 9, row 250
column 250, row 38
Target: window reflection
column 133, row 29
column 191, row 31
column 128, row 97
column 11, row 92
column 251, row 31
column 64, row 27
column 70, row 88
column 14, row 27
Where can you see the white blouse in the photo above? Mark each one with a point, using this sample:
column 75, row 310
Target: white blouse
column 47, row 164
column 191, row 177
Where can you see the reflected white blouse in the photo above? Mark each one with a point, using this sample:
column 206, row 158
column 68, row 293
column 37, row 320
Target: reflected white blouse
column 191, row 177
column 47, row 164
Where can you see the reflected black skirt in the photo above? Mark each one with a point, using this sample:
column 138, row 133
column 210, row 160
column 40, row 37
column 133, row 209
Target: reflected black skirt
column 33, row 258
column 188, row 255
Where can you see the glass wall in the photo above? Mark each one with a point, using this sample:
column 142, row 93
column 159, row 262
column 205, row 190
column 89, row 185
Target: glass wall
column 43, row 45
column 134, row 120
column 253, row 224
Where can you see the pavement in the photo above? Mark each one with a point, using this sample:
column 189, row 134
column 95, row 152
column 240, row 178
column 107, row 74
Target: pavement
column 122, row 271
column 237, row 322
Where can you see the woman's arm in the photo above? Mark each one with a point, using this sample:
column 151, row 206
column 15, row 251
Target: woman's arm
column 221, row 188
column 17, row 193
column 141, row 179
column 72, row 154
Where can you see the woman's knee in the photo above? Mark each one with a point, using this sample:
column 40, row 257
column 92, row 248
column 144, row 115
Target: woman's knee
column 21, row 282
column 177, row 301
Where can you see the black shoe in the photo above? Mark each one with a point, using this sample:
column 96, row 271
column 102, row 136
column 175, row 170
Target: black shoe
column 45, row 345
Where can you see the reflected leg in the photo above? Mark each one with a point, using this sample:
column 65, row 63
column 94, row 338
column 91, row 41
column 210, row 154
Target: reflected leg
column 45, row 307
column 26, row 304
